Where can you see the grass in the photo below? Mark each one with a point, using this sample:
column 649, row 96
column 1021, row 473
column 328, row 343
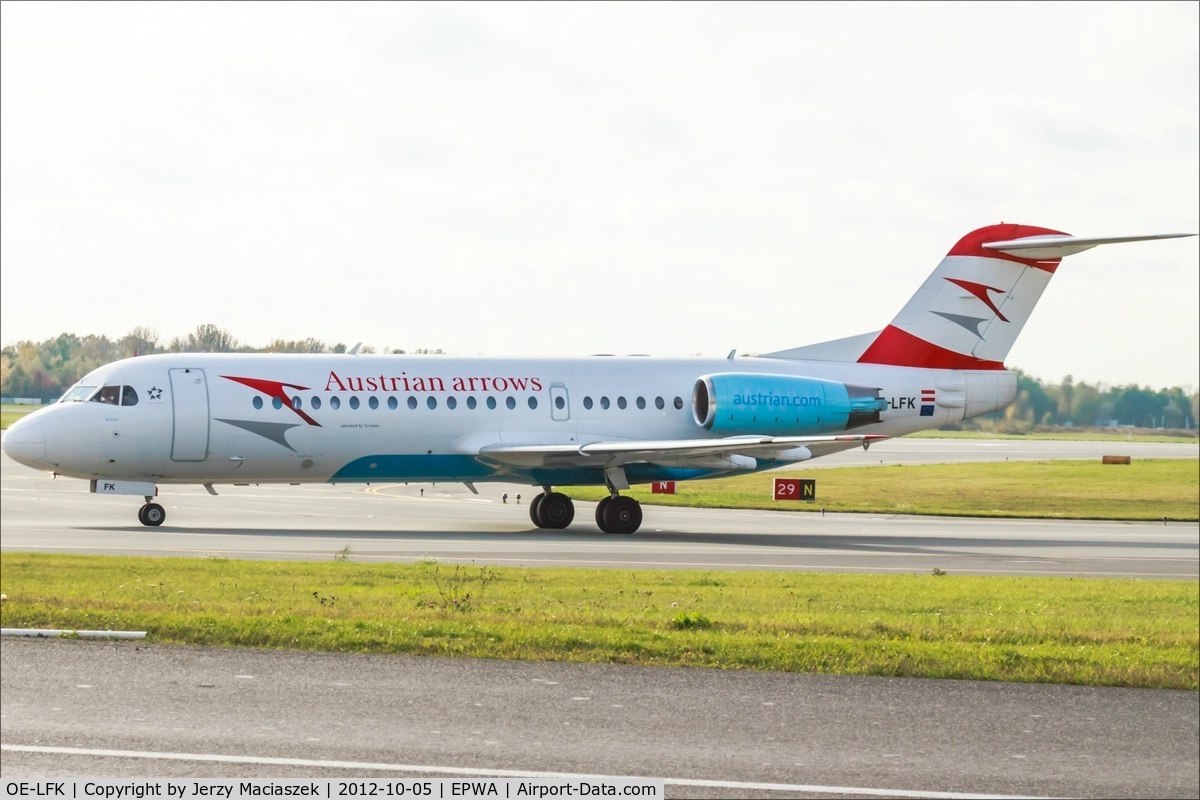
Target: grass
column 1147, row 489
column 11, row 413
column 1102, row 632
column 1085, row 434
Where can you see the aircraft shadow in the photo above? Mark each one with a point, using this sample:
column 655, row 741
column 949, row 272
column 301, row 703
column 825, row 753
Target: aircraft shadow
column 981, row 546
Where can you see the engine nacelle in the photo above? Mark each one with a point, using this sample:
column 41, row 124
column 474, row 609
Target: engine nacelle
column 733, row 403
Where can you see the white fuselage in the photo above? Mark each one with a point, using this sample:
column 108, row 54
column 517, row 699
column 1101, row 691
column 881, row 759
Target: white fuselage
column 252, row 418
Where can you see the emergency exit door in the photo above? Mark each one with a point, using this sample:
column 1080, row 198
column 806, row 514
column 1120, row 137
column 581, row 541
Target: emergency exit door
column 560, row 402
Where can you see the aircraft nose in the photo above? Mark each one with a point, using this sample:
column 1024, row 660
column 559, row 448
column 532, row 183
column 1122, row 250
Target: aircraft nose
column 24, row 442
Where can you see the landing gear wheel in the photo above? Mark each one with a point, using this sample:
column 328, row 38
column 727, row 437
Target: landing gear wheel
column 152, row 514
column 534, row 505
column 555, row 511
column 600, row 523
column 622, row 515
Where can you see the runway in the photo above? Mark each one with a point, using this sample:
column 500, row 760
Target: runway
column 397, row 522
column 91, row 709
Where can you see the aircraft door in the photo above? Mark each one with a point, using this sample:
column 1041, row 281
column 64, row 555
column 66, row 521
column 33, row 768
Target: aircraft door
column 189, row 400
column 560, row 402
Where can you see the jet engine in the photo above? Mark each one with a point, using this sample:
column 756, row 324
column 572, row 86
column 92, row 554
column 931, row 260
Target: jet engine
column 735, row 403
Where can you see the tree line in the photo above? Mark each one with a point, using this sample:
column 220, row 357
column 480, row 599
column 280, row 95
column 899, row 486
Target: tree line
column 45, row 370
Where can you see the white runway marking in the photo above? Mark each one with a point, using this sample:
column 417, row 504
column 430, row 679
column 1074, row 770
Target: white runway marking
column 502, row 773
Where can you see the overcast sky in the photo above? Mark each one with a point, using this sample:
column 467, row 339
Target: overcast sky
column 571, row 178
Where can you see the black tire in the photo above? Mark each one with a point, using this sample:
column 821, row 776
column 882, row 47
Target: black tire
column 623, row 515
column 556, row 511
column 152, row 514
column 534, row 505
column 600, row 523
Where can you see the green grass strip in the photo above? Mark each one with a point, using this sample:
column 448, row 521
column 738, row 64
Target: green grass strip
column 1099, row 632
column 1147, row 489
column 1051, row 433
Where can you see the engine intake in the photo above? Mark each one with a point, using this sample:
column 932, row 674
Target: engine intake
column 735, row 403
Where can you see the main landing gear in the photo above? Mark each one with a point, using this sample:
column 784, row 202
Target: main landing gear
column 151, row 514
column 551, row 510
column 617, row 514
column 614, row 514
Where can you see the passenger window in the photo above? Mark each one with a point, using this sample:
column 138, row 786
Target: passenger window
column 678, row 402
column 641, row 402
column 621, row 403
column 354, row 402
column 258, row 403
column 491, row 403
column 373, row 402
column 431, row 402
column 412, row 402
column 451, row 403
column 315, row 402
column 109, row 394
column 510, row 403
column 335, row 403
column 297, row 402
column 276, row 402
column 659, row 404
column 559, row 403
column 471, row 402
column 604, row 403
column 129, row 396
column 587, row 403
column 532, row 402
column 392, row 403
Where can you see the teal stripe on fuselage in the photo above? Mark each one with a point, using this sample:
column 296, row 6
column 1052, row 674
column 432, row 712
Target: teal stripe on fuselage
column 419, row 468
column 413, row 468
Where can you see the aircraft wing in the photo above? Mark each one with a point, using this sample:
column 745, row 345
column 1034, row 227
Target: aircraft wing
column 729, row 453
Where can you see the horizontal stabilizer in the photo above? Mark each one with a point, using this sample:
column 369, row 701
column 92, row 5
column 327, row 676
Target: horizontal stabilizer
column 1042, row 247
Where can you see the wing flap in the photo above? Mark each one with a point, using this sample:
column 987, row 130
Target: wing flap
column 673, row 452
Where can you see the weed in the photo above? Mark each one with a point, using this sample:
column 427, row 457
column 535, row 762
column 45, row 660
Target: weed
column 457, row 591
column 687, row 622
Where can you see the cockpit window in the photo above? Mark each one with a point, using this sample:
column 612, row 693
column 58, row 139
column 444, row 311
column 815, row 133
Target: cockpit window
column 78, row 394
column 113, row 395
column 109, row 394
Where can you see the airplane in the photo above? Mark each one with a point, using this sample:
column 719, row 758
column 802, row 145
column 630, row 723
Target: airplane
column 225, row 418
